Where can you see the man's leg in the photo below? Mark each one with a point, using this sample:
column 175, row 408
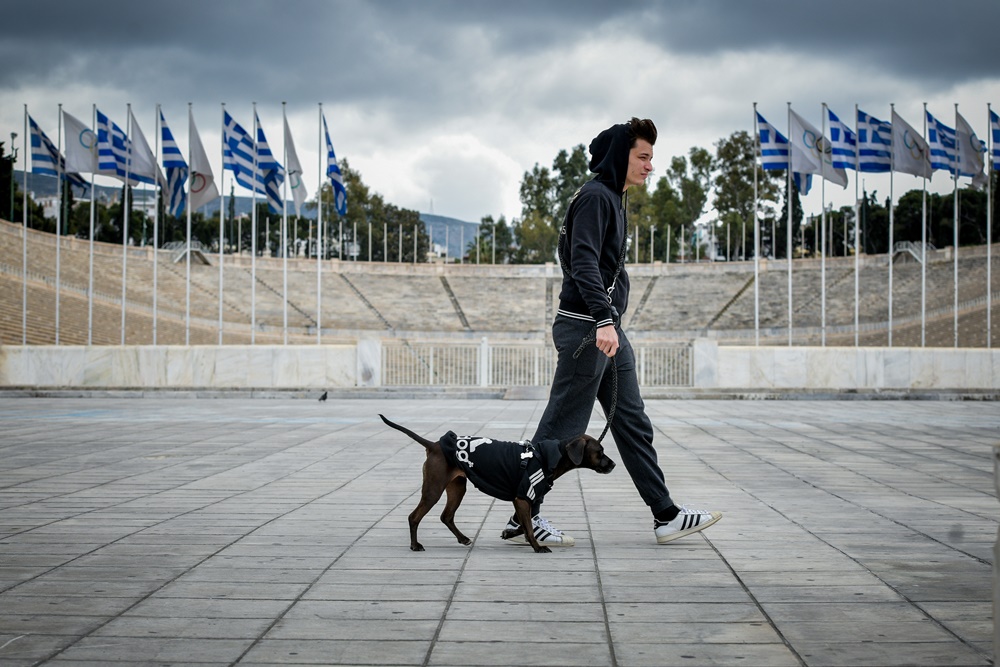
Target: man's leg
column 567, row 413
column 632, row 430
column 633, row 433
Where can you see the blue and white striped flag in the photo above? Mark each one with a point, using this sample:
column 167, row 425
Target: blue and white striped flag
column 269, row 171
column 843, row 142
column 333, row 173
column 177, row 170
column 941, row 140
column 995, row 133
column 46, row 159
column 239, row 153
column 773, row 146
column 874, row 144
column 113, row 149
column 774, row 152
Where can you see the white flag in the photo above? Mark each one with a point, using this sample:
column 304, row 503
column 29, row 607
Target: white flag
column 143, row 163
column 910, row 153
column 812, row 153
column 81, row 146
column 202, row 181
column 970, row 152
column 299, row 192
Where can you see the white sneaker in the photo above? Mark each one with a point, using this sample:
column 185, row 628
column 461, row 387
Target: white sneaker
column 546, row 534
column 687, row 522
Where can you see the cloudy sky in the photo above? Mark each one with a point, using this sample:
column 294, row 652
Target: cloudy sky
column 442, row 105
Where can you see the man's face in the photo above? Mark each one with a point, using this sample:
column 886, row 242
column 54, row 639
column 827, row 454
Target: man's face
column 640, row 163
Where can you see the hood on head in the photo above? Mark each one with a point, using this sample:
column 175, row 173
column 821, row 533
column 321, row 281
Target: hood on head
column 609, row 156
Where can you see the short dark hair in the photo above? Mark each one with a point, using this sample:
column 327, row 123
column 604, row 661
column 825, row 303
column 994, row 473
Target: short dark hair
column 641, row 129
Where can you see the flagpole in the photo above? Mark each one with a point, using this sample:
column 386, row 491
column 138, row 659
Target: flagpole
column 989, row 226
column 788, row 227
column 90, row 270
column 822, row 261
column 284, row 227
column 923, row 252
column 892, row 170
column 857, row 234
column 954, row 172
column 156, row 222
column 24, row 232
column 58, row 228
column 222, row 209
column 187, row 267
column 253, row 237
column 756, row 234
column 319, row 226
column 126, row 207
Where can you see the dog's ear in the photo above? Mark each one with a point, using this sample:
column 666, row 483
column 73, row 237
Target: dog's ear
column 575, row 449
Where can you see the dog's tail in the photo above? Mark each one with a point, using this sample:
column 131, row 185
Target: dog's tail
column 423, row 441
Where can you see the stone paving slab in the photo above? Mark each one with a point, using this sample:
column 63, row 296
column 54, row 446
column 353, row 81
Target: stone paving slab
column 253, row 531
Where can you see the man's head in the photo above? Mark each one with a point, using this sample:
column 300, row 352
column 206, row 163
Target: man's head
column 642, row 136
column 621, row 155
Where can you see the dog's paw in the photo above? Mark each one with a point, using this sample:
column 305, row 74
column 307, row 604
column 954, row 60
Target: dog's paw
column 509, row 534
column 543, row 550
column 465, row 540
column 417, row 547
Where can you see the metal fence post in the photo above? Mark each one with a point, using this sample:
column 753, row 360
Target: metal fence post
column 484, row 363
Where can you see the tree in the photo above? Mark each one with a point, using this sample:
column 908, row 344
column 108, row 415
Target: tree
column 780, row 242
column 735, row 162
column 571, row 171
column 491, row 232
column 691, row 180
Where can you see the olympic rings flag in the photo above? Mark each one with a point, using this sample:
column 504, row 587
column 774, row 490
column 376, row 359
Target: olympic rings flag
column 81, row 146
column 299, row 192
column 812, row 152
column 910, row 153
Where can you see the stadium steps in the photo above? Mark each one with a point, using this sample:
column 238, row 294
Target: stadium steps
column 291, row 304
column 454, row 302
column 368, row 303
column 643, row 299
column 722, row 311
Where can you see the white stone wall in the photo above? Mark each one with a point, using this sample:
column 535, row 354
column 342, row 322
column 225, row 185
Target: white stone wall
column 342, row 366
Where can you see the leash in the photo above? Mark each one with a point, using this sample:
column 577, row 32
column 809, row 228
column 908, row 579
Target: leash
column 587, row 340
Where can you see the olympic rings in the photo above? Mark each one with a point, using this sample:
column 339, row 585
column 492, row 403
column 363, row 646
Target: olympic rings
column 198, row 182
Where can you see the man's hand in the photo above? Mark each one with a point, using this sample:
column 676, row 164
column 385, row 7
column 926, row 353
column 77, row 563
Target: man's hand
column 607, row 340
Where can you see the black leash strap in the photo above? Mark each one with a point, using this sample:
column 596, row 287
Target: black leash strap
column 589, row 339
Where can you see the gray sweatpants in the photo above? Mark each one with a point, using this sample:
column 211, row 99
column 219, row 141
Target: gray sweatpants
column 576, row 385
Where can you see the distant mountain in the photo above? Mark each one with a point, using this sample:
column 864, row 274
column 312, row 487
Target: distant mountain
column 441, row 229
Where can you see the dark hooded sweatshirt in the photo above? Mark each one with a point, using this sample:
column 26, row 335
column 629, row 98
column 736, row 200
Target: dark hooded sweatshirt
column 594, row 234
column 495, row 466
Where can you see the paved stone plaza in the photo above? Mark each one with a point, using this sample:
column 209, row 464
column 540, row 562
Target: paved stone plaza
column 166, row 530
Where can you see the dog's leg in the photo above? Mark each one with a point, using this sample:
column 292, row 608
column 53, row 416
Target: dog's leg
column 435, row 481
column 456, row 491
column 522, row 509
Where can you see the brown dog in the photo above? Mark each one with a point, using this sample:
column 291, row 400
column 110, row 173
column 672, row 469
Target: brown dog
column 521, row 472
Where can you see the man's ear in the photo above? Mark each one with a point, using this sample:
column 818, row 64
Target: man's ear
column 575, row 449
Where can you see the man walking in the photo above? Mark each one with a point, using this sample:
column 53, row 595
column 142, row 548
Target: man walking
column 592, row 301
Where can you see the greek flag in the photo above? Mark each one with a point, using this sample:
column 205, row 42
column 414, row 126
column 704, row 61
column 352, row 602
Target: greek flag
column 773, row 146
column 239, row 154
column 941, row 140
column 874, row 144
column 272, row 173
column 177, row 170
column 774, row 152
column 843, row 142
column 333, row 172
column 113, row 148
column 45, row 157
column 995, row 133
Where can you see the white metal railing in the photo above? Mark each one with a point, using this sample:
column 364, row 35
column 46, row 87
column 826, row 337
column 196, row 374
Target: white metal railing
column 510, row 364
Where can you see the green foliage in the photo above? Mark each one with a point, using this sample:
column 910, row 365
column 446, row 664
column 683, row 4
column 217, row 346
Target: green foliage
column 495, row 243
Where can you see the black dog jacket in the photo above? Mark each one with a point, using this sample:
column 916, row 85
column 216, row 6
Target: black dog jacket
column 503, row 469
